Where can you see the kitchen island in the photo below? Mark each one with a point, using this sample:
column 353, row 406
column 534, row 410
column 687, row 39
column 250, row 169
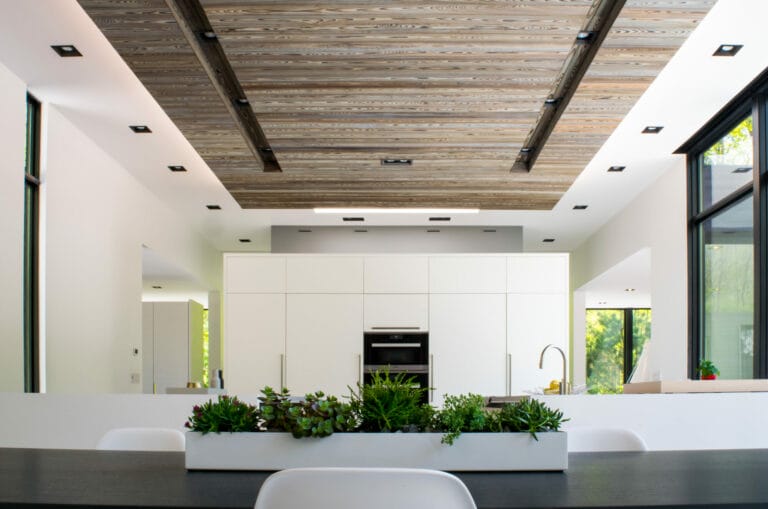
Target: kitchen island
column 661, row 479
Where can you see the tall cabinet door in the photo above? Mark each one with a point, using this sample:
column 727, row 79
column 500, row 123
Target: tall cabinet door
column 533, row 322
column 324, row 343
column 467, row 344
column 255, row 331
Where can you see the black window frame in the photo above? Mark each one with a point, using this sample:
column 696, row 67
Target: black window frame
column 30, row 285
column 753, row 100
column 628, row 336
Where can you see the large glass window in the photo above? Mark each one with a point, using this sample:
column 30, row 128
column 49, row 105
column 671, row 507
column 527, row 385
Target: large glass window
column 728, row 237
column 611, row 335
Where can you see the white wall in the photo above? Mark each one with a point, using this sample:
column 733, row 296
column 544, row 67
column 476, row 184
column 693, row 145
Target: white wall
column 656, row 219
column 664, row 421
column 97, row 218
column 13, row 106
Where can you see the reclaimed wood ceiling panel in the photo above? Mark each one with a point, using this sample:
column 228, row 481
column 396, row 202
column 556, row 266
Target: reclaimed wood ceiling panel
column 454, row 86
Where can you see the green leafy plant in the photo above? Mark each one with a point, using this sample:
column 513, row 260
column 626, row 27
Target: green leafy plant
column 390, row 403
column 707, row 368
column 227, row 414
column 313, row 416
column 528, row 415
column 465, row 412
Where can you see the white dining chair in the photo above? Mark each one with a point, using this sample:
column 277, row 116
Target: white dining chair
column 369, row 488
column 596, row 439
column 142, row 439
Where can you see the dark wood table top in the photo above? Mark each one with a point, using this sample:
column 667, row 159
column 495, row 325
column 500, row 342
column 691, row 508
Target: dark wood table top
column 669, row 479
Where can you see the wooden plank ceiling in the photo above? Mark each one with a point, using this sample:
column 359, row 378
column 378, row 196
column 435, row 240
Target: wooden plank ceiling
column 454, row 86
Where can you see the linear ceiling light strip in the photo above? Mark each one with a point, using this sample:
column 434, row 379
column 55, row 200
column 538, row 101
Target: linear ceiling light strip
column 195, row 26
column 600, row 18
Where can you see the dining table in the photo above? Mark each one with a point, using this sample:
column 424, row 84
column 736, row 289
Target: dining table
column 33, row 478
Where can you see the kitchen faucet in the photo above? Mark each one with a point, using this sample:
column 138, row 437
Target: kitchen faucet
column 563, row 382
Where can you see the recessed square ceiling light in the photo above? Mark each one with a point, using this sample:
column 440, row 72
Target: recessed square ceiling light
column 213, row 207
column 617, row 168
column 361, row 231
column 396, row 162
column 727, row 50
column 157, row 287
column 433, row 231
column 176, row 167
column 304, row 230
column 66, row 50
column 489, row 230
column 580, row 207
column 744, row 169
column 353, row 219
column 244, row 241
column 444, row 218
column 548, row 240
column 653, row 129
column 140, row 129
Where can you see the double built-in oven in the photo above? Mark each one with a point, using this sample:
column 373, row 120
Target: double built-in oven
column 399, row 351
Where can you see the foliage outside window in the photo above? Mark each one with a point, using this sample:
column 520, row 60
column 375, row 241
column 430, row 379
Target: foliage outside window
column 609, row 334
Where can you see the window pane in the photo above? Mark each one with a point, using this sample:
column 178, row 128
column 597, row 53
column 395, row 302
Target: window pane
column 605, row 351
column 641, row 332
column 728, row 289
column 726, row 165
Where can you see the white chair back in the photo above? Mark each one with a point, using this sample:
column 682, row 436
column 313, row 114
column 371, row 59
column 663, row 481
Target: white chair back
column 142, row 439
column 358, row 488
column 592, row 439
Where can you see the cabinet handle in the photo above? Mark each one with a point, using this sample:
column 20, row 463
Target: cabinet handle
column 431, row 377
column 406, row 327
column 509, row 374
column 282, row 371
column 359, row 369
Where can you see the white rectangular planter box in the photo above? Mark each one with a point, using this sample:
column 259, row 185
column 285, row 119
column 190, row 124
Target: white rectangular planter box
column 471, row 451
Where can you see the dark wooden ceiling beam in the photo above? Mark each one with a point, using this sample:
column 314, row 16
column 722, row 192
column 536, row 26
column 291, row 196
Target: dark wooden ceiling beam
column 600, row 18
column 198, row 31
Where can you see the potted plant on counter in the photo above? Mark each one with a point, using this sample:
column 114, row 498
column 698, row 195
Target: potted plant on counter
column 708, row 370
column 384, row 424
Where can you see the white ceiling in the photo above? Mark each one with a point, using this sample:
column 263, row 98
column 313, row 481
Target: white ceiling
column 101, row 96
column 625, row 285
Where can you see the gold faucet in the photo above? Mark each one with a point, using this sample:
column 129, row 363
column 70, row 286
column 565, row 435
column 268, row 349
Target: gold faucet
column 564, row 381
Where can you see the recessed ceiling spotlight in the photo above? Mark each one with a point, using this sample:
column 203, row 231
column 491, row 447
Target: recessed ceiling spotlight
column 361, row 231
column 140, row 129
column 304, row 230
column 580, row 207
column 653, row 129
column 266, row 150
column 213, row 207
column 209, row 35
column 727, row 50
column 442, row 218
column 242, row 101
column 244, row 241
column 157, row 287
column 433, row 231
column 66, row 50
column 585, row 36
column 489, row 230
column 396, row 162
column 617, row 168
column 525, row 150
column 603, row 302
column 744, row 169
column 353, row 219
column 629, row 289
column 551, row 101
column 548, row 240
column 176, row 167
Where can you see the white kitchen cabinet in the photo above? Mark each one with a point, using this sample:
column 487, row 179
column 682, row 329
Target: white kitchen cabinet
column 396, row 312
column 324, row 274
column 324, row 342
column 537, row 273
column 254, row 273
column 396, row 274
column 533, row 322
column 467, row 274
column 174, row 341
column 467, row 342
column 254, row 326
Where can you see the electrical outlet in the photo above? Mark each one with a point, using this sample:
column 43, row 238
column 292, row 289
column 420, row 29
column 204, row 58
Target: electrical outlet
column 135, row 378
